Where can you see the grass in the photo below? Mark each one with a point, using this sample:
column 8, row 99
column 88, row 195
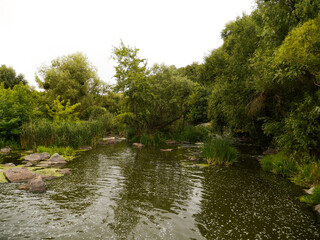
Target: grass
column 219, row 151
column 279, row 164
column 314, row 198
column 68, row 153
column 304, row 173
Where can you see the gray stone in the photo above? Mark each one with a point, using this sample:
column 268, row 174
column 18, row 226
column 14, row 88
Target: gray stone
column 86, row 148
column 5, row 150
column 317, row 210
column 18, row 174
column 36, row 184
column 28, row 164
column 56, row 159
column 8, row 165
column 138, row 145
column 37, row 157
column 308, row 191
column 166, row 150
column 172, row 142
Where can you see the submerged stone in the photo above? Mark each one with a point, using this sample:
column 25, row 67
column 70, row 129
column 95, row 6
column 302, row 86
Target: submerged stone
column 36, row 185
column 166, row 150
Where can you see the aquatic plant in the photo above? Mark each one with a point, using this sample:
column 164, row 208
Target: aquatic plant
column 73, row 134
column 219, row 151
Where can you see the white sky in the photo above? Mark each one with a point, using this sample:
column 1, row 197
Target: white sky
column 174, row 32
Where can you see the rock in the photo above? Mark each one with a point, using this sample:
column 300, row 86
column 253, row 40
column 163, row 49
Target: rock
column 186, row 142
column 43, row 165
column 65, row 171
column 317, row 210
column 28, row 152
column 199, row 143
column 18, row 174
column 5, row 150
column 112, row 141
column 8, row 165
column 122, row 139
column 308, row 191
column 108, row 138
column 172, row 142
column 36, row 184
column 56, row 159
column 138, row 145
column 28, row 164
column 166, row 150
column 269, row 151
column 192, row 159
column 37, row 157
column 86, row 148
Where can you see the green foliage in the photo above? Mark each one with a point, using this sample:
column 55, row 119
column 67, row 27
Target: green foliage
column 66, row 152
column 72, row 78
column 16, row 107
column 60, row 112
column 9, row 78
column 188, row 133
column 219, row 151
column 314, row 198
column 279, row 164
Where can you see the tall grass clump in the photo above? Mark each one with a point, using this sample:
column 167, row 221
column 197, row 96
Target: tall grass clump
column 280, row 163
column 219, row 151
column 62, row 134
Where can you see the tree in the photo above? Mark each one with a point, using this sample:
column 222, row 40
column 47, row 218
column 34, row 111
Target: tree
column 17, row 105
column 131, row 74
column 9, row 77
column 72, row 78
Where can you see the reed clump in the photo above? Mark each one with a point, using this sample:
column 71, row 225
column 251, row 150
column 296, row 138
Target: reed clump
column 63, row 134
column 219, row 151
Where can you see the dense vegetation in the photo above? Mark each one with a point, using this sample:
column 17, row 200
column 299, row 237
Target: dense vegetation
column 262, row 82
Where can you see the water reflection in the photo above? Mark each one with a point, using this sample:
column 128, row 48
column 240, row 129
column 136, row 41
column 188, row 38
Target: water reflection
column 119, row 192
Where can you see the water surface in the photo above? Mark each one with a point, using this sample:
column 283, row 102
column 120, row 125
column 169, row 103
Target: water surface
column 119, row 192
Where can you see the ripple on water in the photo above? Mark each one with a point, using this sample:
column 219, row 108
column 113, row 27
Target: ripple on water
column 118, row 192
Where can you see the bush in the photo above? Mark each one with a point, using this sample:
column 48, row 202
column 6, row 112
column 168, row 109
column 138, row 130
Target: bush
column 218, row 151
column 189, row 133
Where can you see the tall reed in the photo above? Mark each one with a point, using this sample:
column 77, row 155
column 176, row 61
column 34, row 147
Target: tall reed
column 219, row 151
column 73, row 134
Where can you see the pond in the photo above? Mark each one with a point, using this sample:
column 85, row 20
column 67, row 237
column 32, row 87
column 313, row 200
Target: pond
column 120, row 192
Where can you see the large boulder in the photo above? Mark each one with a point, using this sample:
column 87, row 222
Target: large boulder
column 56, row 159
column 35, row 185
column 37, row 157
column 18, row 174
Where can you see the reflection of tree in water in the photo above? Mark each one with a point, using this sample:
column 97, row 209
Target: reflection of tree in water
column 77, row 191
column 153, row 184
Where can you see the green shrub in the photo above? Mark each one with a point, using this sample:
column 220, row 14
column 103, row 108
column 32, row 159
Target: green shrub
column 218, row 151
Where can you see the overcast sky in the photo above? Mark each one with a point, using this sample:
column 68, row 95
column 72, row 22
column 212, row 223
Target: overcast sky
column 174, row 32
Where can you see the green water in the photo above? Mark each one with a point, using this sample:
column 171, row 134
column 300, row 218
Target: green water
column 119, row 192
